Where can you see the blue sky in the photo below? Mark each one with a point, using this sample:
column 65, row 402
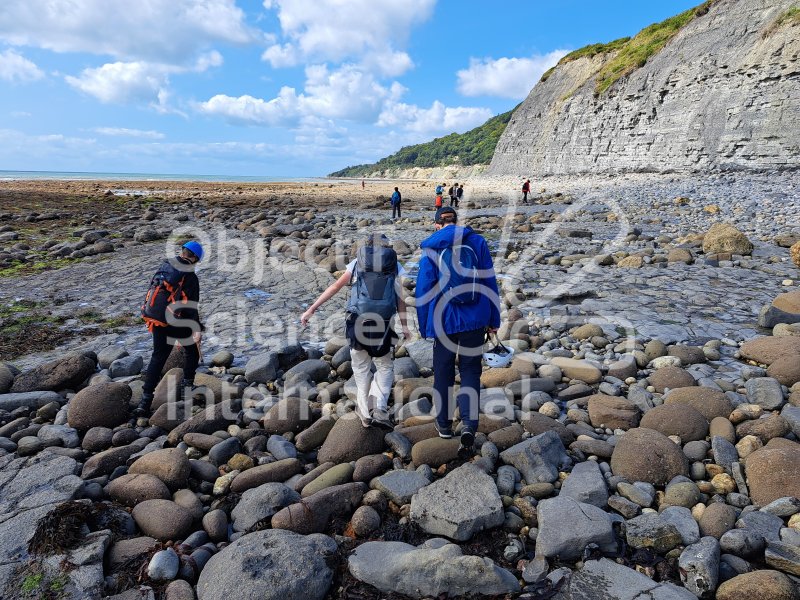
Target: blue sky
column 274, row 87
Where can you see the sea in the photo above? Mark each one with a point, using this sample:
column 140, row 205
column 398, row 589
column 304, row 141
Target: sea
column 92, row 176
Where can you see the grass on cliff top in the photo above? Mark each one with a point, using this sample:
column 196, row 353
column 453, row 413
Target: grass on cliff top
column 633, row 53
column 789, row 18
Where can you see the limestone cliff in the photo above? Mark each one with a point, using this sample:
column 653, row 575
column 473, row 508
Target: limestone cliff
column 722, row 94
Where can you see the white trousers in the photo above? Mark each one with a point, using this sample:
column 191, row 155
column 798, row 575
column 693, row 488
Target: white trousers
column 373, row 390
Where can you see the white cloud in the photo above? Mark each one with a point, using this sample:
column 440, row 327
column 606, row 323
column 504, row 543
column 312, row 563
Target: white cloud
column 333, row 30
column 16, row 68
column 21, row 114
column 125, row 132
column 123, row 82
column 505, row 77
column 164, row 31
column 436, row 119
column 248, row 110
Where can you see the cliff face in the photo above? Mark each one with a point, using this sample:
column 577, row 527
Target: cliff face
column 723, row 94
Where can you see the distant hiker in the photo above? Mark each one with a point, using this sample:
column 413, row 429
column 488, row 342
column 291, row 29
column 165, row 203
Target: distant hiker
column 439, row 194
column 362, row 184
column 526, row 189
column 459, row 194
column 438, row 203
column 397, row 198
column 457, row 303
column 452, row 193
column 375, row 297
column 170, row 312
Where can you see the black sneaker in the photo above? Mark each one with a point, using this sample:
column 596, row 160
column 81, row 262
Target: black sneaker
column 380, row 418
column 444, row 432
column 467, row 438
column 144, row 405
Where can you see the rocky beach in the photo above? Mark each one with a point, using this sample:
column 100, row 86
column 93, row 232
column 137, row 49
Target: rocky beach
column 643, row 443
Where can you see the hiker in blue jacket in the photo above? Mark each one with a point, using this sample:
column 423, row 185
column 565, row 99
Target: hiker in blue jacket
column 457, row 303
column 397, row 198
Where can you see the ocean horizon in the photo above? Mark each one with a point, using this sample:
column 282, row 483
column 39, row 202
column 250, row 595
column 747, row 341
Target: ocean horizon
column 8, row 175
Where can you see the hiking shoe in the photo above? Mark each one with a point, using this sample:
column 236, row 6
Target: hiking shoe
column 444, row 432
column 467, row 438
column 380, row 418
column 365, row 421
column 144, row 405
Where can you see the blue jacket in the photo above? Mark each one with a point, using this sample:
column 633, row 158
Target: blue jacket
column 455, row 318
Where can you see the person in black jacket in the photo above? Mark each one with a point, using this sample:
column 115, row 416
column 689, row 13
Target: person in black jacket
column 182, row 327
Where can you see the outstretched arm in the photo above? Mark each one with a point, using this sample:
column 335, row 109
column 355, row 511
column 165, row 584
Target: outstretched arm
column 329, row 293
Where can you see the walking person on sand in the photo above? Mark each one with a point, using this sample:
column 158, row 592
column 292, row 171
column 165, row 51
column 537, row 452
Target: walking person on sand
column 526, row 189
column 170, row 312
column 397, row 198
column 375, row 297
column 452, row 193
column 457, row 303
column 459, row 194
column 439, row 193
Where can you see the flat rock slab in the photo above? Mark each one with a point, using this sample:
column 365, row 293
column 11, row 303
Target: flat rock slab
column 29, row 489
column 32, row 400
column 606, row 580
column 429, row 570
column 461, row 504
column 270, row 565
column 567, row 526
column 400, row 486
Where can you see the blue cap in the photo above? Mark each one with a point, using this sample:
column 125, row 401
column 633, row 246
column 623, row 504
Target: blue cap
column 195, row 248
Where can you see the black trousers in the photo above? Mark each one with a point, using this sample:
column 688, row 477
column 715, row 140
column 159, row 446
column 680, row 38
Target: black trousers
column 162, row 336
column 396, row 211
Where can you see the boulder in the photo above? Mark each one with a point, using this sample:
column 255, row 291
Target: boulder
column 434, row 451
column 785, row 308
column 670, row 377
column 399, row 486
column 646, row 455
column 289, row 414
column 421, row 351
column 766, row 350
column 759, row 585
column 578, row 369
column 163, row 519
column 725, row 238
column 773, row 472
column 170, row 465
column 606, row 580
column 272, row 564
column 612, row 412
column 99, row 405
column 786, row 370
column 312, row 369
column 567, row 527
column 708, row 402
column 262, row 368
column 677, row 419
column 586, row 484
column 461, row 504
column 64, row 373
column 131, row 489
column 314, row 513
column 261, row 503
column 278, row 471
column 29, row 400
column 431, row 570
column 539, row 459
column 349, row 440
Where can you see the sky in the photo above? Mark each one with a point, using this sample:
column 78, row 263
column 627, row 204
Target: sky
column 294, row 88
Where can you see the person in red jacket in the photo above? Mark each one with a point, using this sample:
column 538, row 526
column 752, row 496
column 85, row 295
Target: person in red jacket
column 526, row 189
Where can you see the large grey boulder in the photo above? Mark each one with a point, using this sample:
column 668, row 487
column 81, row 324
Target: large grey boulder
column 461, row 504
column 606, row 580
column 539, row 458
column 586, row 484
column 421, row 351
column 272, row 564
column 429, row 570
column 400, row 486
column 699, row 567
column 64, row 373
column 260, row 503
column 567, row 526
column 262, row 368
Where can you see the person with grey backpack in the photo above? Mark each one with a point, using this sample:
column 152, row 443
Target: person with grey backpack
column 375, row 297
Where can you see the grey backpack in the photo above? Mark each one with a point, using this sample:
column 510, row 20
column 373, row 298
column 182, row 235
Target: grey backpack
column 374, row 292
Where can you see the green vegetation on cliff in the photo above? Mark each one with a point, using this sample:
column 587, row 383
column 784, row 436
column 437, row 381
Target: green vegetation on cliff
column 633, row 53
column 475, row 147
column 789, row 18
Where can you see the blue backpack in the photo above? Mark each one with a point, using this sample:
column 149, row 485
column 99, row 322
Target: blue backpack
column 459, row 265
